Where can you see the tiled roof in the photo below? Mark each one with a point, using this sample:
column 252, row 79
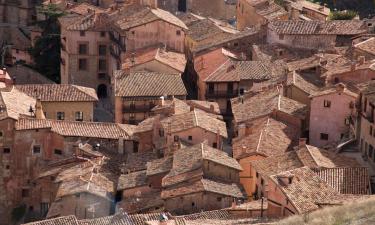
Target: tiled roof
column 93, row 21
column 122, row 218
column 204, row 29
column 337, row 88
column 336, row 27
column 347, row 180
column 306, row 83
column 145, row 126
column 195, row 118
column 264, row 103
column 270, row 11
column 241, row 70
column 159, row 166
column 269, row 137
column 221, row 214
column 189, row 161
column 59, row 92
column 174, row 60
column 76, row 129
column 252, row 205
column 309, row 156
column 316, row 60
column 367, row 46
column 64, row 220
column 144, row 84
column 205, row 106
column 132, row 180
column 135, row 15
column 305, row 189
column 138, row 161
column 146, row 202
column 302, row 4
column 202, row 185
column 15, row 103
column 84, row 8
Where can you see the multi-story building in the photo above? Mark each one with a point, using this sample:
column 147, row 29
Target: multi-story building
column 18, row 12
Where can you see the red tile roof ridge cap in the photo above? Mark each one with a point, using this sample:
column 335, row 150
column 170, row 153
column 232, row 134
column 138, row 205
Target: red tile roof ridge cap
column 312, row 156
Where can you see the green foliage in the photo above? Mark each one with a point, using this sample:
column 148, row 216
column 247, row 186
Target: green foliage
column 46, row 51
column 342, row 15
column 18, row 213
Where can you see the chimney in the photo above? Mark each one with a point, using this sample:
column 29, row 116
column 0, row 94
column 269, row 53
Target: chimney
column 121, row 145
column 241, row 130
column 302, row 142
column 285, row 180
column 39, row 114
column 212, row 108
column 361, row 60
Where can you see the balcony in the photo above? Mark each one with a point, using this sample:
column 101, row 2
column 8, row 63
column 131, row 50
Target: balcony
column 222, row 94
column 135, row 109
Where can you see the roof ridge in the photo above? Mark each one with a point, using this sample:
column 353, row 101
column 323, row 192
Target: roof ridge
column 261, row 134
column 312, row 156
column 217, row 69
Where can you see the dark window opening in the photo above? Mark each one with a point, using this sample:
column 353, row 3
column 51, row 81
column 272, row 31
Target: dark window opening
column 60, row 116
column 190, row 138
column 79, row 116
column 82, row 49
column 58, row 152
column 214, row 145
column 327, row 103
column 323, row 136
column 6, row 150
column 36, row 149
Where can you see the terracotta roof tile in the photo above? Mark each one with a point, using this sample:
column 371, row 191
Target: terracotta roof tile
column 305, row 189
column 59, row 92
column 222, row 214
column 76, row 129
column 145, row 84
column 64, row 220
column 269, row 137
column 138, row 161
column 347, row 180
column 305, row 83
column 15, row 103
column 132, row 180
column 122, row 218
column 159, row 166
column 367, row 46
column 263, row 104
column 300, row 27
column 271, row 11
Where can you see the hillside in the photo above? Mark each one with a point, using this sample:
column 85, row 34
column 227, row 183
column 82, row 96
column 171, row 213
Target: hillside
column 365, row 8
column 360, row 213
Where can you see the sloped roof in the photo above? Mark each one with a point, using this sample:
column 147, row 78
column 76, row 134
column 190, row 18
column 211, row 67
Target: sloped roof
column 159, row 166
column 132, row 180
column 367, row 46
column 333, row 27
column 64, row 220
column 305, row 83
column 264, row 103
column 269, row 137
column 143, row 84
column 59, row 92
column 305, row 190
column 15, row 103
column 194, row 118
column 76, row 129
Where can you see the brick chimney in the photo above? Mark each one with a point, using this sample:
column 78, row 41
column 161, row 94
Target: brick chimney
column 39, row 114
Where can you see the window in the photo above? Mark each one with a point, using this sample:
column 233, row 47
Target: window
column 60, row 116
column 327, row 103
column 6, row 150
column 323, row 136
column 214, row 145
column 219, row 199
column 178, row 33
column 58, row 152
column 161, row 132
column 82, row 64
column 230, row 88
column 370, row 151
column 82, row 49
column 102, row 33
column 82, row 33
column 193, row 204
column 1, row 134
column 7, row 167
column 257, row 174
column 25, row 193
column 210, row 88
column 36, row 149
column 365, row 105
column 190, row 138
column 262, row 181
column 102, row 64
column 336, row 80
column 102, row 49
column 135, row 147
column 79, row 116
column 370, row 130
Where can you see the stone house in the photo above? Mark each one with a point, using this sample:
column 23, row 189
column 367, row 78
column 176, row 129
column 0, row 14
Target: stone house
column 201, row 178
column 155, row 59
column 306, row 10
column 315, row 35
column 316, row 159
column 137, row 93
column 85, row 53
column 264, row 137
column 257, row 13
column 252, row 106
column 330, row 112
column 63, row 101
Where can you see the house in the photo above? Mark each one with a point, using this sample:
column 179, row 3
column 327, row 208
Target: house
column 365, row 48
column 136, row 93
column 258, row 13
column 155, row 59
column 306, row 10
column 222, row 10
column 330, row 112
column 18, row 13
column 85, row 52
column 265, row 137
column 314, row 34
column 253, row 106
column 201, row 178
column 63, row 101
column 305, row 155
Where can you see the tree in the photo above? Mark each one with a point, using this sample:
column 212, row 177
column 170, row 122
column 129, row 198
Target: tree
column 46, row 50
column 342, row 15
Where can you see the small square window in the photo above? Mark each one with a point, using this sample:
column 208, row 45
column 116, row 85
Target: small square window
column 60, row 116
column 79, row 116
column 82, row 33
column 6, row 150
column 102, row 65
column 214, row 145
column 57, row 152
column 323, row 136
column 25, row 193
column 7, row 167
column 219, row 199
column 36, row 149
column 102, row 49
column 102, row 33
column 327, row 103
column 82, row 64
column 82, row 49
column 178, row 33
column 190, row 138
column 370, row 130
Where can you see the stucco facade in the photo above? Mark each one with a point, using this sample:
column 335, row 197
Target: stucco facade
column 70, row 110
